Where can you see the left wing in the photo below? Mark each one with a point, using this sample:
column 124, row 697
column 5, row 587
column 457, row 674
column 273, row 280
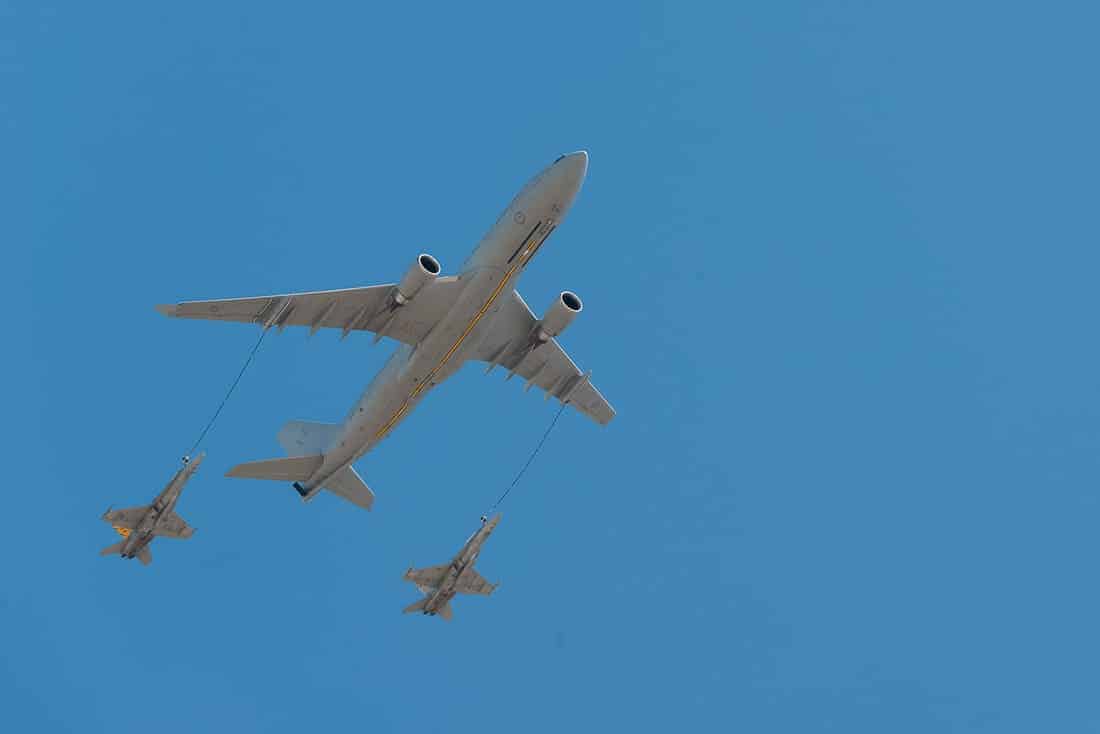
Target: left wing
column 173, row 526
column 352, row 309
column 430, row 577
column 472, row 582
column 547, row 365
column 127, row 519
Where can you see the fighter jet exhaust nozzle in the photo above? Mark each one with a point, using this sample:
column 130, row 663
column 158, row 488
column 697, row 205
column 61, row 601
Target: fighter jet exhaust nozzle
column 560, row 315
column 423, row 271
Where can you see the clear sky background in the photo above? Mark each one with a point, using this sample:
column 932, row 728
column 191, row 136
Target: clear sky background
column 839, row 264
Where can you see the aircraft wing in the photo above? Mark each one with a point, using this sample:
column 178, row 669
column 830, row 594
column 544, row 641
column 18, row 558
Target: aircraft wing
column 350, row 309
column 547, row 366
column 473, row 582
column 430, row 577
column 128, row 518
column 173, row 526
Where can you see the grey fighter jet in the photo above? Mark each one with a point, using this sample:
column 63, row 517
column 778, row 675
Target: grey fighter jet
column 139, row 525
column 439, row 584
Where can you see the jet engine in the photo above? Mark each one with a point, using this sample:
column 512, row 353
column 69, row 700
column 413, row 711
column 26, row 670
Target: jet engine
column 560, row 314
column 422, row 272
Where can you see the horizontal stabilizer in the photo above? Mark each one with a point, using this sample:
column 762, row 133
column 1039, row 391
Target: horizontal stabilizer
column 349, row 485
column 293, row 469
column 145, row 556
column 112, row 549
column 415, row 607
column 445, row 612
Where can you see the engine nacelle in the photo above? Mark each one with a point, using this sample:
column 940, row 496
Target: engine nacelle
column 422, row 272
column 560, row 315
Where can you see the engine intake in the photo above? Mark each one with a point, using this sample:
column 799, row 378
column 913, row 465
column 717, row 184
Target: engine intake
column 560, row 315
column 423, row 271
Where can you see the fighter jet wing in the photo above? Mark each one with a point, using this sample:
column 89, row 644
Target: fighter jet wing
column 350, row 309
column 127, row 519
column 473, row 582
column 547, row 366
column 430, row 577
column 173, row 526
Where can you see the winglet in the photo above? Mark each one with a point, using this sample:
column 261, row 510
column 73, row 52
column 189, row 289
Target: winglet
column 168, row 309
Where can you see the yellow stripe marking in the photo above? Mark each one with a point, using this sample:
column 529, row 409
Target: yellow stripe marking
column 458, row 342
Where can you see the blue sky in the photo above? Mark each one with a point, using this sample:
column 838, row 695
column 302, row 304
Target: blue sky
column 839, row 268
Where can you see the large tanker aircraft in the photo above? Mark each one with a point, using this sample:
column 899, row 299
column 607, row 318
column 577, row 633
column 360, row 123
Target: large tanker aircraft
column 441, row 322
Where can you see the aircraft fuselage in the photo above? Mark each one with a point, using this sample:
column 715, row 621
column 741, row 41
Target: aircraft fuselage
column 162, row 506
column 461, row 563
column 487, row 276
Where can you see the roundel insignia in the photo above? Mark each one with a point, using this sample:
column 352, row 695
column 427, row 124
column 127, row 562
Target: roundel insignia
column 520, row 217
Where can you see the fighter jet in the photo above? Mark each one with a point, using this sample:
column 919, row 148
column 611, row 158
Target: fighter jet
column 441, row 583
column 139, row 525
column 441, row 323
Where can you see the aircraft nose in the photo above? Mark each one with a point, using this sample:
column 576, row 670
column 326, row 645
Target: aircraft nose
column 569, row 171
column 577, row 162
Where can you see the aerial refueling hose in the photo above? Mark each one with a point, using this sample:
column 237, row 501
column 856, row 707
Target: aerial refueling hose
column 531, row 458
column 252, row 355
column 236, row 381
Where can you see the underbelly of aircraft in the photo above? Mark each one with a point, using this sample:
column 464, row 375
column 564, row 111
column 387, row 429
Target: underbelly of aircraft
column 435, row 359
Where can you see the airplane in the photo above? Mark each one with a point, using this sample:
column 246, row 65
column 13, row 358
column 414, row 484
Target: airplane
column 439, row 584
column 441, row 323
column 139, row 525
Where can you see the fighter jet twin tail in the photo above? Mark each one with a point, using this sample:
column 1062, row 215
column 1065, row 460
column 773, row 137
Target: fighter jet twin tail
column 440, row 322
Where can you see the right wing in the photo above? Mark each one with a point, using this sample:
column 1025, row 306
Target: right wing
column 547, row 365
column 173, row 526
column 427, row 578
column 473, row 582
column 127, row 519
column 351, row 309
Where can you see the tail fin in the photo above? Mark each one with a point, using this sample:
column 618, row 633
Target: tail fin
column 145, row 556
column 112, row 549
column 302, row 438
column 293, row 469
column 306, row 443
column 416, row 606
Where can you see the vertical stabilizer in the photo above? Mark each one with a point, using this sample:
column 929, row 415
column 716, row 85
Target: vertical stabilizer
column 302, row 438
